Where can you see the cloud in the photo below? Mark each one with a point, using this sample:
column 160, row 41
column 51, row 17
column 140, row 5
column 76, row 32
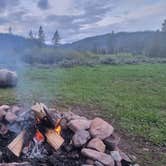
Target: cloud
column 76, row 19
column 43, row 4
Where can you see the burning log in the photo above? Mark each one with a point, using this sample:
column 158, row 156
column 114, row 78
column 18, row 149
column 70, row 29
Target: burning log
column 17, row 144
column 47, row 127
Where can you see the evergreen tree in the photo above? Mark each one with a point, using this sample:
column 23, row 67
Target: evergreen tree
column 31, row 36
column 41, row 35
column 164, row 26
column 56, row 38
column 10, row 30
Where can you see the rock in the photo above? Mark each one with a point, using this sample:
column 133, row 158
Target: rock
column 101, row 129
column 79, row 124
column 86, row 165
column 125, row 157
column 99, row 156
column 80, row 138
column 4, row 107
column 3, row 129
column 1, row 156
column 89, row 161
column 7, row 78
column 97, row 163
column 112, row 142
column 96, row 144
column 15, row 109
column 2, row 114
column 63, row 124
column 10, row 117
column 71, row 116
column 116, row 155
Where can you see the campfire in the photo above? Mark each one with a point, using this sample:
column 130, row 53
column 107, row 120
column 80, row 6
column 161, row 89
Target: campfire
column 43, row 137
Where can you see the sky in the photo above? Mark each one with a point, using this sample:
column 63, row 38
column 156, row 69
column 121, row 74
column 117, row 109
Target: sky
column 78, row 19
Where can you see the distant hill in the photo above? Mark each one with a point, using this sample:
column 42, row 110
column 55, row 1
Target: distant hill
column 149, row 43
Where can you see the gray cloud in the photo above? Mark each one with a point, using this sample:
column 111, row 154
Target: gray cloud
column 76, row 19
column 43, row 4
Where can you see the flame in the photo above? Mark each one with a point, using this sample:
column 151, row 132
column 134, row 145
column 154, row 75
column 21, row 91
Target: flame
column 39, row 136
column 58, row 129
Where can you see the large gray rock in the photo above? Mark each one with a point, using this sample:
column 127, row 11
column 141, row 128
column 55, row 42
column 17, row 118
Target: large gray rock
column 100, row 128
column 80, row 138
column 96, row 144
column 99, row 156
column 7, row 78
column 79, row 124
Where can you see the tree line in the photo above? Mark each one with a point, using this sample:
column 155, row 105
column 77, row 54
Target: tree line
column 41, row 36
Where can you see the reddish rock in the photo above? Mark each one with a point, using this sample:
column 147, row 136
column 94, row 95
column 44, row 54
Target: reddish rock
column 79, row 124
column 99, row 156
column 80, row 138
column 10, row 117
column 4, row 107
column 100, row 128
column 96, row 144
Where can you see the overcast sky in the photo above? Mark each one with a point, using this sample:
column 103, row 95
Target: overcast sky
column 77, row 19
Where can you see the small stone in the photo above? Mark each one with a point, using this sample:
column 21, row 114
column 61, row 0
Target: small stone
column 15, row 109
column 4, row 107
column 79, row 124
column 116, row 155
column 125, row 157
column 80, row 138
column 89, row 161
column 112, row 142
column 10, row 117
column 97, row 163
column 3, row 129
column 96, row 144
column 99, row 156
column 100, row 128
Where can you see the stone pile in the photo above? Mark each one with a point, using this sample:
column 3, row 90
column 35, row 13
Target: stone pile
column 95, row 139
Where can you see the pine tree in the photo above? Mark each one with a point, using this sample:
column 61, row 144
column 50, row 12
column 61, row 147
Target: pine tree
column 41, row 35
column 56, row 38
column 10, row 30
column 164, row 26
column 31, row 35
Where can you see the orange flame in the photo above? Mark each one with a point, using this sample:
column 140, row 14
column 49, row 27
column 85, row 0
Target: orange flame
column 39, row 136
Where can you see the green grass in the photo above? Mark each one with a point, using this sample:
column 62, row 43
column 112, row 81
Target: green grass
column 134, row 95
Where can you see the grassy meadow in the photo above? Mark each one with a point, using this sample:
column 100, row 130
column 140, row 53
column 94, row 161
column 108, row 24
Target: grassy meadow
column 133, row 95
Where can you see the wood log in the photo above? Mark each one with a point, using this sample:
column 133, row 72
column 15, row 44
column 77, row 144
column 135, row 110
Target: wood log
column 17, row 144
column 54, row 139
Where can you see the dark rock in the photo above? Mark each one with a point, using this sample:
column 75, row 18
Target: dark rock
column 112, row 142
